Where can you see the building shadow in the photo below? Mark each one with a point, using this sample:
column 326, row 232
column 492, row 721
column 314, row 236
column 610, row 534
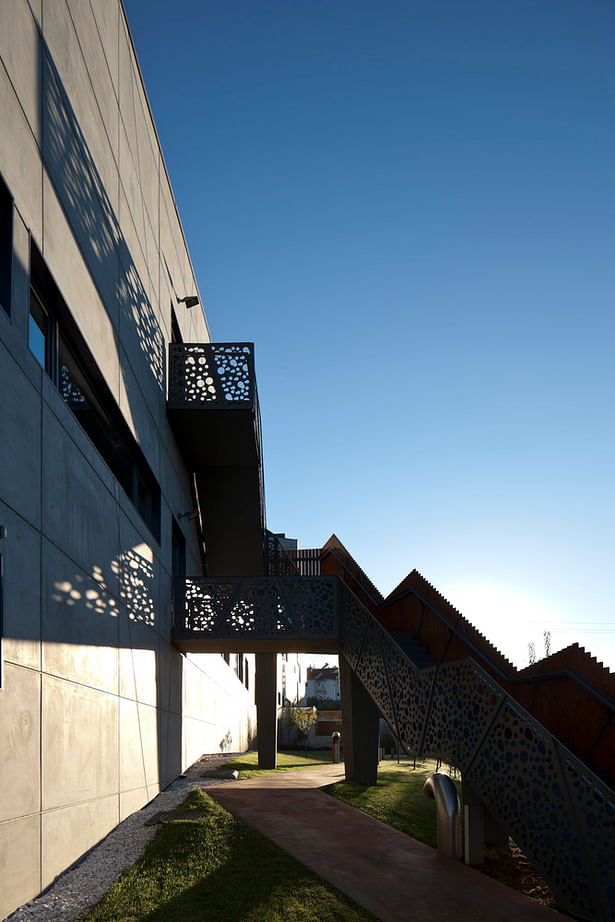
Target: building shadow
column 80, row 190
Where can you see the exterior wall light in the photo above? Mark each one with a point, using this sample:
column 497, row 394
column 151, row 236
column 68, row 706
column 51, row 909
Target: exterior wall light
column 190, row 515
column 189, row 300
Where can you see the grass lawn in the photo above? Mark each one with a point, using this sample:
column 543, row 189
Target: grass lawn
column 247, row 764
column 221, row 870
column 397, row 799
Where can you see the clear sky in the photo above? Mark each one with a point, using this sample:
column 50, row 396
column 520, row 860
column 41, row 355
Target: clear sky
column 409, row 207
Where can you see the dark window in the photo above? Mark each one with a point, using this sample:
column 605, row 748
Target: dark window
column 176, row 336
column 178, row 567
column 6, row 246
column 39, row 333
column 178, row 543
column 246, row 676
column 60, row 349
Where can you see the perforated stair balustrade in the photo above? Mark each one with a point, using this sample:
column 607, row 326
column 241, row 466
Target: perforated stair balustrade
column 557, row 811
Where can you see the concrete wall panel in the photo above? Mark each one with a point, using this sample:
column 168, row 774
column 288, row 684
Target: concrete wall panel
column 106, row 15
column 37, row 10
column 138, row 572
column 14, row 331
column 68, row 833
column 197, row 739
column 22, row 598
column 80, row 743
column 136, row 411
column 148, row 157
column 170, row 678
column 165, row 612
column 170, row 244
column 138, row 660
column 20, row 52
column 75, row 431
column 131, row 199
column 19, row 861
column 148, row 723
column 132, row 757
column 62, row 253
column 169, row 746
column 175, row 481
column 141, row 334
column 79, row 513
column 20, row 157
column 80, row 625
column 20, row 418
column 131, row 801
column 127, row 89
column 65, row 62
column 97, row 67
column 19, row 742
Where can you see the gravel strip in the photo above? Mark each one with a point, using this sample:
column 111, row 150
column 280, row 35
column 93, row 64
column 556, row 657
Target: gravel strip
column 79, row 888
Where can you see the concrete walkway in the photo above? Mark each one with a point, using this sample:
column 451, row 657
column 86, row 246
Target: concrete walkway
column 388, row 873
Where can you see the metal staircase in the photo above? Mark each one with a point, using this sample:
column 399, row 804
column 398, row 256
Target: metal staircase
column 560, row 814
column 554, row 807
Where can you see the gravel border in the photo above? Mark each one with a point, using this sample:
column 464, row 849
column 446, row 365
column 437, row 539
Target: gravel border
column 75, row 891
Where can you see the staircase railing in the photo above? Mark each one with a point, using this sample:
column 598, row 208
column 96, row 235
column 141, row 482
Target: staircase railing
column 277, row 561
column 558, row 812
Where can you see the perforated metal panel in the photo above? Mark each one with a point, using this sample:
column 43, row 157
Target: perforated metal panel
column 262, row 607
column 211, row 374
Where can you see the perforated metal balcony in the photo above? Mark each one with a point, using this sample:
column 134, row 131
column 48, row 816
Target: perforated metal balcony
column 213, row 410
column 213, row 403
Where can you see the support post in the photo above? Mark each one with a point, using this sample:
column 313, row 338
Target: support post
column 267, row 709
column 360, row 729
column 474, row 833
column 482, row 829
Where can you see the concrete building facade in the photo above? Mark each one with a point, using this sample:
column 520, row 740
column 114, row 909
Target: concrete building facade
column 98, row 711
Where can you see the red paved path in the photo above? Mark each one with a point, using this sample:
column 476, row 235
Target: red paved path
column 391, row 875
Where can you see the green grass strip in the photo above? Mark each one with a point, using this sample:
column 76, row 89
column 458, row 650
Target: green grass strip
column 219, row 869
column 396, row 800
column 247, row 764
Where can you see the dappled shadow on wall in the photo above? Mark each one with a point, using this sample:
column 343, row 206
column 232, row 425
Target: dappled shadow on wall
column 135, row 572
column 82, row 194
column 90, row 594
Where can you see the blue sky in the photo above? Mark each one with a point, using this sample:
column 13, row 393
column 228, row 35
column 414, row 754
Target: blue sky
column 410, row 209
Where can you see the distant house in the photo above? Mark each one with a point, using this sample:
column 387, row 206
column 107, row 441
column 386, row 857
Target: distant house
column 323, row 684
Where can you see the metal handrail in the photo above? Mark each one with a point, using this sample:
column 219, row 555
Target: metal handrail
column 277, row 561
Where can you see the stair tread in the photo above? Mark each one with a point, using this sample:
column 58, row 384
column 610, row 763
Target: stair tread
column 412, row 648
